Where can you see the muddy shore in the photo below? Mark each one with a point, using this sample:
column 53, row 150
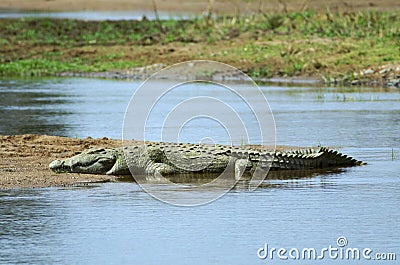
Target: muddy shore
column 387, row 76
column 24, row 160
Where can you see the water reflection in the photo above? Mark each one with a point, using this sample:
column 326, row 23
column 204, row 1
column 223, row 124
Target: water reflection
column 201, row 178
column 204, row 183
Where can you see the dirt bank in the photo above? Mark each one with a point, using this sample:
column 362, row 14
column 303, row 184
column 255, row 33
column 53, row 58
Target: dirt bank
column 24, row 160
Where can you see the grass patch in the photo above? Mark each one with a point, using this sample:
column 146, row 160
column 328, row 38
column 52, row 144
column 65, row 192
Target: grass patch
column 263, row 45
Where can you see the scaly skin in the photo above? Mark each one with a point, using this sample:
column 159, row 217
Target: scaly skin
column 170, row 158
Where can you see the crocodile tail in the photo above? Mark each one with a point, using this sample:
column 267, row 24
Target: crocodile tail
column 311, row 159
column 332, row 158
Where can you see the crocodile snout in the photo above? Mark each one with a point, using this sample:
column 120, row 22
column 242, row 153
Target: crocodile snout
column 56, row 165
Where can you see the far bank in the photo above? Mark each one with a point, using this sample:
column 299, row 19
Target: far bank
column 347, row 48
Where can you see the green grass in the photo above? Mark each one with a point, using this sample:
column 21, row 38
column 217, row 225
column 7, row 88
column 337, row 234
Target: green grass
column 377, row 25
column 42, row 67
column 37, row 67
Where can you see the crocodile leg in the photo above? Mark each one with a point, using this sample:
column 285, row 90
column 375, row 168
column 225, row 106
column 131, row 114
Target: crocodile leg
column 160, row 169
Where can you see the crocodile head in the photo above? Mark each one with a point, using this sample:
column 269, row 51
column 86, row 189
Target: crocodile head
column 92, row 161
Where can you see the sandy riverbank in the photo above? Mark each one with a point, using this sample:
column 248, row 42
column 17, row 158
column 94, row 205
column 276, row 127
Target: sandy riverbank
column 24, row 160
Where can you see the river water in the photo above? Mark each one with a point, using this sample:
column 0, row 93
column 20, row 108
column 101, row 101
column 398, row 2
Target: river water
column 118, row 223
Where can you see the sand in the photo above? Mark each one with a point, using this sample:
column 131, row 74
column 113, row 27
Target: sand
column 24, row 160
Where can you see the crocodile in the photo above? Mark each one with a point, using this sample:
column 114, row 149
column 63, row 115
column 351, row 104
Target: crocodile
column 178, row 158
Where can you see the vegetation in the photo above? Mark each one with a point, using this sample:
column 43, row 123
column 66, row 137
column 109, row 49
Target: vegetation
column 263, row 45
